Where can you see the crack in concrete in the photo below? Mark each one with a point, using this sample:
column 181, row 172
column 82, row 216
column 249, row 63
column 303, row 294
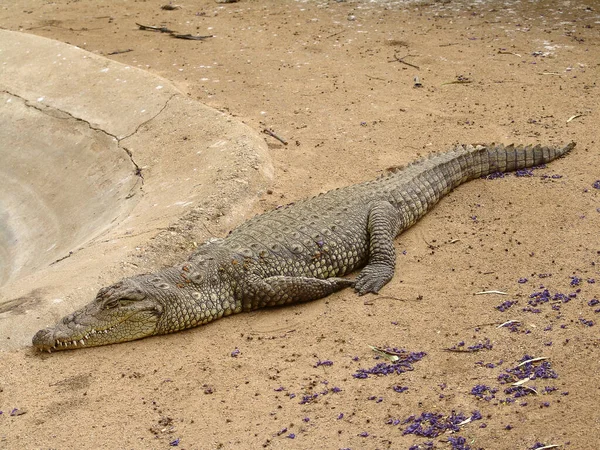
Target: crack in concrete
column 44, row 110
column 150, row 119
column 138, row 169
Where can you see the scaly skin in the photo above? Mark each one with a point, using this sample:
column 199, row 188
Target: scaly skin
column 292, row 254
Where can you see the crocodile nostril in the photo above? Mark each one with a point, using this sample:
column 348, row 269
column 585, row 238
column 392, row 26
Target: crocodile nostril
column 68, row 319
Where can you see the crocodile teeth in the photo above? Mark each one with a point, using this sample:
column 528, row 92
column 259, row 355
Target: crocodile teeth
column 82, row 342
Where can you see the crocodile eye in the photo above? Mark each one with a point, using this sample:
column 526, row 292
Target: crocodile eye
column 111, row 304
column 124, row 299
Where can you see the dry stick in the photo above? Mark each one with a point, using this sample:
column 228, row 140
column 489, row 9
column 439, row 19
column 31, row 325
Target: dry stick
column 457, row 82
column 464, row 422
column 273, row 135
column 509, row 53
column 153, row 28
column 509, row 322
column 191, row 37
column 374, row 78
column 389, row 352
column 491, row 292
column 541, row 358
column 125, row 236
column 457, row 350
column 118, row 52
column 401, row 60
column 521, row 382
column 210, row 233
column 480, row 325
column 382, row 297
column 64, row 28
column 334, row 34
column 531, row 389
column 61, row 259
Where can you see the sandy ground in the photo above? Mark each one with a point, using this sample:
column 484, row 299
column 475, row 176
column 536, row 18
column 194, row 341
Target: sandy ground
column 337, row 81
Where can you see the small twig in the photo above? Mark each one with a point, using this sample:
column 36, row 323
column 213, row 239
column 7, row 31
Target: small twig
column 381, row 297
column 401, row 60
column 153, row 28
column 531, row 389
column 392, row 356
column 334, row 34
column 541, row 358
column 273, row 135
column 491, row 292
column 430, row 246
column 547, row 446
column 210, row 233
column 509, row 53
column 509, row 322
column 574, row 117
column 549, row 73
column 374, row 78
column 63, row 28
column 170, row 7
column 118, row 52
column 389, row 354
column 464, row 422
column 191, row 37
column 479, row 325
column 457, row 82
column 61, row 259
column 520, row 382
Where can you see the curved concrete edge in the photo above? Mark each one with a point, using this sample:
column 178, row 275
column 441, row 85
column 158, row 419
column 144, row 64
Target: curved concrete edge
column 81, row 84
column 192, row 159
column 58, row 187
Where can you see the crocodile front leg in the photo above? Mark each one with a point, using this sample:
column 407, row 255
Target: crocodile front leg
column 384, row 224
column 281, row 290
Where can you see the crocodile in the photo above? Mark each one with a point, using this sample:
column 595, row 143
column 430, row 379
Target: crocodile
column 295, row 253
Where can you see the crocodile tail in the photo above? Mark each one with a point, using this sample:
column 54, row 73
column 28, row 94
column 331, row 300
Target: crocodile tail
column 499, row 158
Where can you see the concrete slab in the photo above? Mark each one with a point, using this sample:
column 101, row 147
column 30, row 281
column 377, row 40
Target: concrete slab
column 95, row 158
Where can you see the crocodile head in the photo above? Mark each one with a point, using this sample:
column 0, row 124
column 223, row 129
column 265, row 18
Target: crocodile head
column 121, row 312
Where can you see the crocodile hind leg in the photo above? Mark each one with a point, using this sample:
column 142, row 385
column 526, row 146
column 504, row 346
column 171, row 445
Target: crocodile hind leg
column 383, row 226
column 282, row 290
